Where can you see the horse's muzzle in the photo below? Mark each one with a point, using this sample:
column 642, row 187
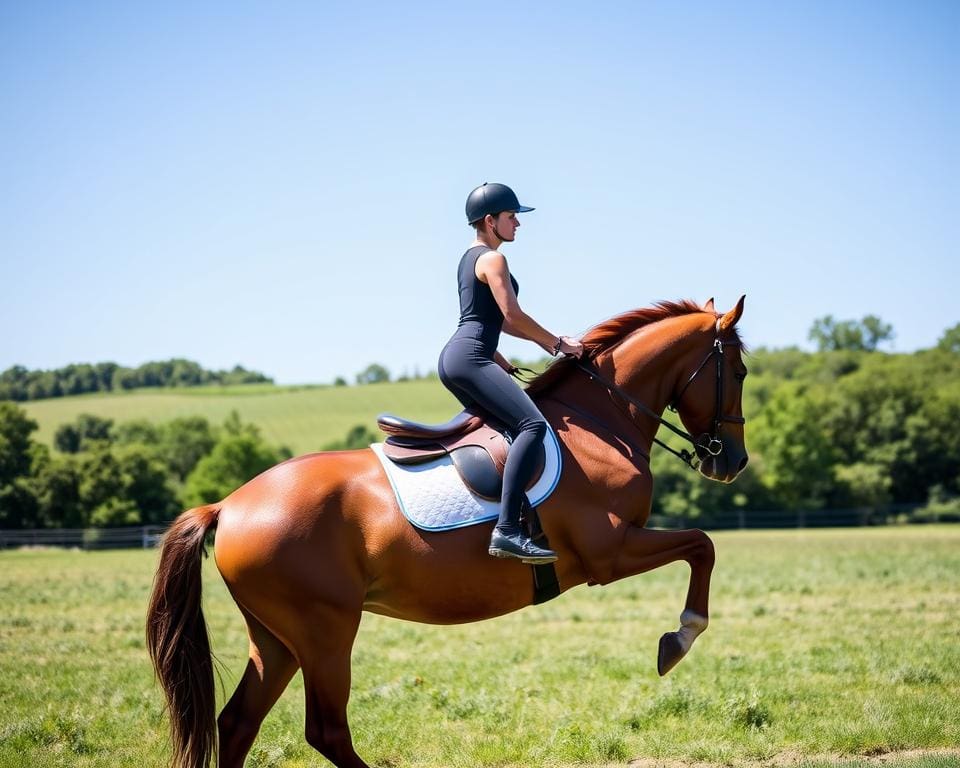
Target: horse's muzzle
column 724, row 465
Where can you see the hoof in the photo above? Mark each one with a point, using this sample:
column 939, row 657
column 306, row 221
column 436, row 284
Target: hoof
column 669, row 654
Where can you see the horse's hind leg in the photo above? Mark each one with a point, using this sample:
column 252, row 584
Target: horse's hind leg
column 269, row 669
column 326, row 679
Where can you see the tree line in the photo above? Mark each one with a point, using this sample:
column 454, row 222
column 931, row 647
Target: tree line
column 847, row 426
column 102, row 474
column 20, row 384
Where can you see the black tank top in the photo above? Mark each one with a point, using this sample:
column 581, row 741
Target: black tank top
column 480, row 316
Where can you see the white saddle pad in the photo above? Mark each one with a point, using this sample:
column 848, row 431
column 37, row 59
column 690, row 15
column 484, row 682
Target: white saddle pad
column 433, row 497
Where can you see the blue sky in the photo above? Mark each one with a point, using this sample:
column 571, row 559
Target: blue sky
column 282, row 185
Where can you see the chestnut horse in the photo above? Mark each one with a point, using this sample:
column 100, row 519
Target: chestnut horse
column 310, row 544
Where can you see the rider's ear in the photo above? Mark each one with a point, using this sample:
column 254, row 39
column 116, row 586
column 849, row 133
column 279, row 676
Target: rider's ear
column 733, row 316
column 708, row 307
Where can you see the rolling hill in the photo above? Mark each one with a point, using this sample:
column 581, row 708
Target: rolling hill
column 301, row 418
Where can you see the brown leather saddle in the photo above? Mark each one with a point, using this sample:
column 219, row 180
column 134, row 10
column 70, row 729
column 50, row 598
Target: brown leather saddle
column 476, row 443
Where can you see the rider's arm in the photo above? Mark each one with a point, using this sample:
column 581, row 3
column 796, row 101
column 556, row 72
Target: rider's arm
column 503, row 362
column 492, row 269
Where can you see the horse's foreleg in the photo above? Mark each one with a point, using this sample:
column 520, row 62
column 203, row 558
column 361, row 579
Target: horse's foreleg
column 643, row 550
column 269, row 669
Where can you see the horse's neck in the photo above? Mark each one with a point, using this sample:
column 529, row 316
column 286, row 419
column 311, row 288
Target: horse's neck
column 648, row 366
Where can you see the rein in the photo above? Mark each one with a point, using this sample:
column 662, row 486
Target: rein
column 713, row 445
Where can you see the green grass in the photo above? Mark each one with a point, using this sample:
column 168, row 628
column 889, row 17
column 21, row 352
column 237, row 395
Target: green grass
column 825, row 647
column 302, row 418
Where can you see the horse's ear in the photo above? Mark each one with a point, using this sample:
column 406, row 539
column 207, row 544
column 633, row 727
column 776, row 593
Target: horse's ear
column 733, row 316
column 708, row 307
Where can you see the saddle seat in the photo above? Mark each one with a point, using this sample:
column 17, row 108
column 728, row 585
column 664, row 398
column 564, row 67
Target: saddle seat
column 464, row 422
column 476, row 443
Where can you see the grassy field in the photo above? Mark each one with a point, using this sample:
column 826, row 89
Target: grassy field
column 302, row 418
column 826, row 647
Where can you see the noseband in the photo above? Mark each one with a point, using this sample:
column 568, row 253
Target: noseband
column 713, row 445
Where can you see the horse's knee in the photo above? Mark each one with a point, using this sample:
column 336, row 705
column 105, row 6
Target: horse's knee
column 703, row 550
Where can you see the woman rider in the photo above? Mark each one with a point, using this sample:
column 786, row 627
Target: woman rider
column 477, row 374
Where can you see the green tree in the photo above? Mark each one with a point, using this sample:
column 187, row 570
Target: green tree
column 101, row 482
column 137, row 431
column 16, row 429
column 862, row 485
column 18, row 502
column 183, row 442
column 373, row 374
column 950, row 341
column 115, row 511
column 126, row 378
column 868, row 417
column 56, row 482
column 233, row 461
column 358, row 436
column 19, row 507
column 863, row 335
column 13, row 383
column 875, row 332
column 797, row 455
column 123, row 485
column 146, row 488
column 86, row 428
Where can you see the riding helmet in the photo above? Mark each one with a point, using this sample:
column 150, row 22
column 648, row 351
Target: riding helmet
column 492, row 198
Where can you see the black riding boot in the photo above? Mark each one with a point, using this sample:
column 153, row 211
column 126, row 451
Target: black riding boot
column 513, row 542
column 509, row 539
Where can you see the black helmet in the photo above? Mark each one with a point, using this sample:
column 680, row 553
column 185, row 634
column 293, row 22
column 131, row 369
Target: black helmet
column 492, row 198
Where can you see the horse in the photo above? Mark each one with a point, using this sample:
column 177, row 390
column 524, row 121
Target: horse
column 308, row 545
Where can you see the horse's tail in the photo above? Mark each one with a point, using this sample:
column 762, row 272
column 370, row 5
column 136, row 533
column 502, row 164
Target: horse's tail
column 178, row 643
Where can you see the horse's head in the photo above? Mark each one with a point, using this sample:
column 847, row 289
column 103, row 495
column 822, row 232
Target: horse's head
column 708, row 396
column 678, row 354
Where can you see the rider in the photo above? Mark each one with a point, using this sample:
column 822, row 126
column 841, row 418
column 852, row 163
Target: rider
column 477, row 374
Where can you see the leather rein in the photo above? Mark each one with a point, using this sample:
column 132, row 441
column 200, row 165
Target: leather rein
column 713, row 445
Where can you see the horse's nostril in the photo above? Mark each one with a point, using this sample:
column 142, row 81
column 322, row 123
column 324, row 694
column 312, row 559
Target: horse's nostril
column 743, row 463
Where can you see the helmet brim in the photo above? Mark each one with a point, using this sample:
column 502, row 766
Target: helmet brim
column 521, row 209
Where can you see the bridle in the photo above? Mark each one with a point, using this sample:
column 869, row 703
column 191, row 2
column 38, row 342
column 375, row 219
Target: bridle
column 713, row 446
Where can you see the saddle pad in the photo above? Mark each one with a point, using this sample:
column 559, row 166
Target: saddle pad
column 433, row 497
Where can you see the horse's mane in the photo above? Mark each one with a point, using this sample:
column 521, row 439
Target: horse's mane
column 610, row 332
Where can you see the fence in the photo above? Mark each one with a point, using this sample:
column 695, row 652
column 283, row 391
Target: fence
column 84, row 538
column 800, row 518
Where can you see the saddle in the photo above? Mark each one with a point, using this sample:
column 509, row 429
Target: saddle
column 476, row 443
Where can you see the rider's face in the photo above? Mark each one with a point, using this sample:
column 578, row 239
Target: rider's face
column 507, row 223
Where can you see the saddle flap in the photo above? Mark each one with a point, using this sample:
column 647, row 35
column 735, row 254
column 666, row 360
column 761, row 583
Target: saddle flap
column 478, row 471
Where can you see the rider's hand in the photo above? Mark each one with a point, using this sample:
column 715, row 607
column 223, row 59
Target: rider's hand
column 570, row 346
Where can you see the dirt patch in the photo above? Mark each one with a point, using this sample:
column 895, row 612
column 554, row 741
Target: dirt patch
column 789, row 759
